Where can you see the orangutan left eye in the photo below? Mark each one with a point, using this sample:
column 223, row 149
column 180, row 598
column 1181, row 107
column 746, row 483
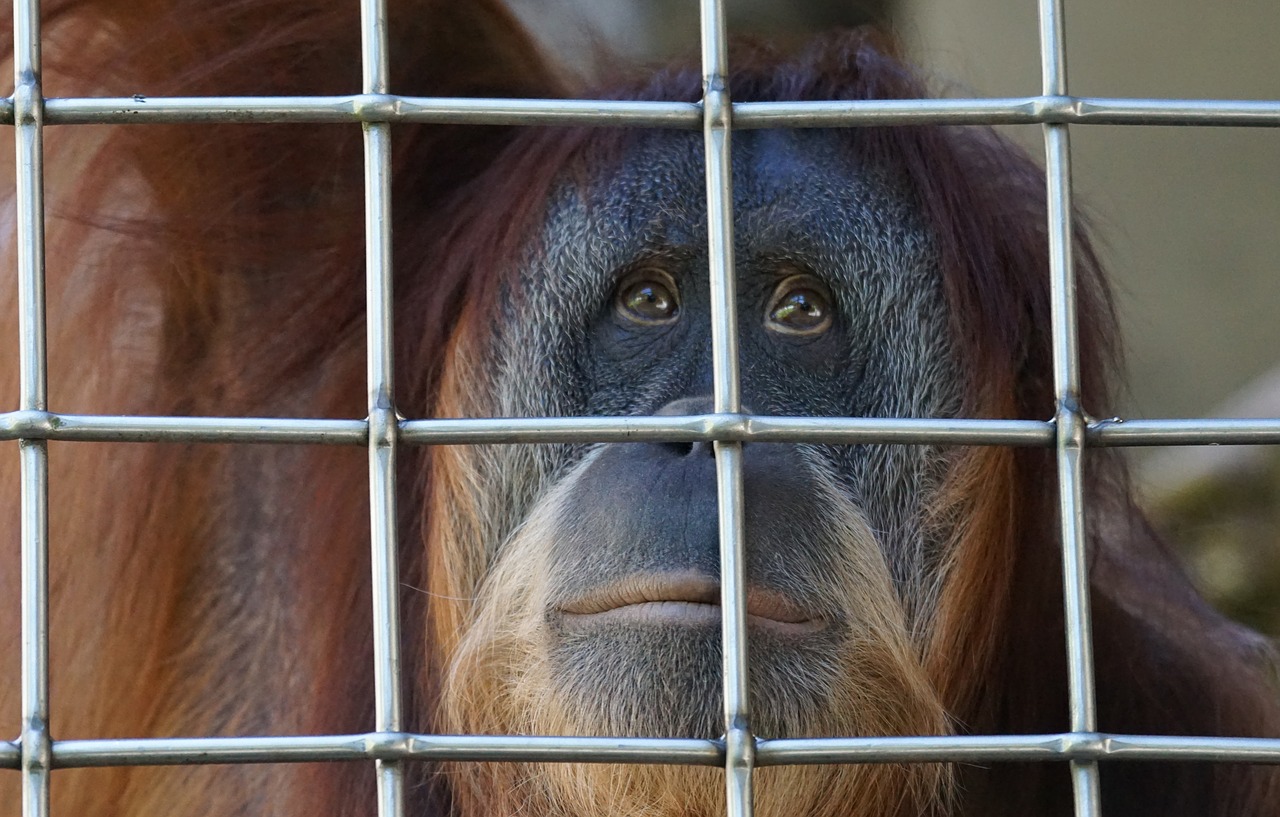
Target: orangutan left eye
column 800, row 305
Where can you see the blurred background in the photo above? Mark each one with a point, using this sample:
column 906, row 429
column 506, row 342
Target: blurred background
column 1188, row 219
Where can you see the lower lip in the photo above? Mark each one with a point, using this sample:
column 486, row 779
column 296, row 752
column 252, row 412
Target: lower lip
column 685, row 613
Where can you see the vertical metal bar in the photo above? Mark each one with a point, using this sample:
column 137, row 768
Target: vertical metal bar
column 1070, row 419
column 1053, row 49
column 383, row 427
column 28, row 105
column 717, row 115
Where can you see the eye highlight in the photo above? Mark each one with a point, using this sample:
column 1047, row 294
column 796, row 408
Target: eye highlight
column 800, row 305
column 648, row 296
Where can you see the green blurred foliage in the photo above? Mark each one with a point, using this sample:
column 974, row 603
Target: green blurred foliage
column 1227, row 526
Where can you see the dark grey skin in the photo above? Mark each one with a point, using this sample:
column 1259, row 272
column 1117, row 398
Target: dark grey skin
column 646, row 513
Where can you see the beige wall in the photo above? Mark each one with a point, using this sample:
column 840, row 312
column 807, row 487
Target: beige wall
column 1189, row 217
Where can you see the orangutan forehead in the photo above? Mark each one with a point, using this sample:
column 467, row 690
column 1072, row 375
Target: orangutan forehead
column 805, row 204
column 800, row 195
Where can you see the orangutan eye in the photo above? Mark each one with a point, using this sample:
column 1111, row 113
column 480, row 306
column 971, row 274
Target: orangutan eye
column 648, row 296
column 800, row 306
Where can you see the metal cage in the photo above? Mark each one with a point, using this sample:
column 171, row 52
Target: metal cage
column 35, row 755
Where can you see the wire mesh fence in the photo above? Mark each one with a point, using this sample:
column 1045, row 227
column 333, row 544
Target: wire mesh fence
column 35, row 755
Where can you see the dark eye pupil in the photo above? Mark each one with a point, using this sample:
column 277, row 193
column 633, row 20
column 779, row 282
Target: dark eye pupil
column 649, row 300
column 800, row 309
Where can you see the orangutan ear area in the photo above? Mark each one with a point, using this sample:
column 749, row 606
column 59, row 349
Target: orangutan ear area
column 404, row 426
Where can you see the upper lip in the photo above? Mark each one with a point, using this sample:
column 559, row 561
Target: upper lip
column 691, row 588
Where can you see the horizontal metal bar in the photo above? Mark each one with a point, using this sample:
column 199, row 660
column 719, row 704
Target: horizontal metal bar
column 680, row 115
column 803, row 751
column 36, row 425
column 1017, row 748
column 834, row 114
column 373, row 108
column 729, row 428
column 39, row 425
column 1199, row 112
column 1008, row 111
column 1215, row 431
column 380, row 746
column 1156, row 747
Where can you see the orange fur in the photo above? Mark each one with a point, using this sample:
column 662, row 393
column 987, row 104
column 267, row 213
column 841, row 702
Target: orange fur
column 221, row 590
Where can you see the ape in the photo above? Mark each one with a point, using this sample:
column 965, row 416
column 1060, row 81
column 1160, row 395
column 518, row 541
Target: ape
column 569, row 589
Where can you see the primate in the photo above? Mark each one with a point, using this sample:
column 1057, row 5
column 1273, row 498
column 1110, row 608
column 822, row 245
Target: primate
column 571, row 589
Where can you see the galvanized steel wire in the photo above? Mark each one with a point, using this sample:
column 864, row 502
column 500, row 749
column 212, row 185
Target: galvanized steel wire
column 34, row 755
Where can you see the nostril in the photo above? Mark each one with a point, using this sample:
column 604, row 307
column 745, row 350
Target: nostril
column 680, row 449
column 690, row 407
column 693, row 449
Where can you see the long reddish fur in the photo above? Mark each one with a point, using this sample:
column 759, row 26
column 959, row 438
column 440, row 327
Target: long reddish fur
column 218, row 270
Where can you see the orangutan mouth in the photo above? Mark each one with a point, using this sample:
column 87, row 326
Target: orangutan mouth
column 684, row 600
